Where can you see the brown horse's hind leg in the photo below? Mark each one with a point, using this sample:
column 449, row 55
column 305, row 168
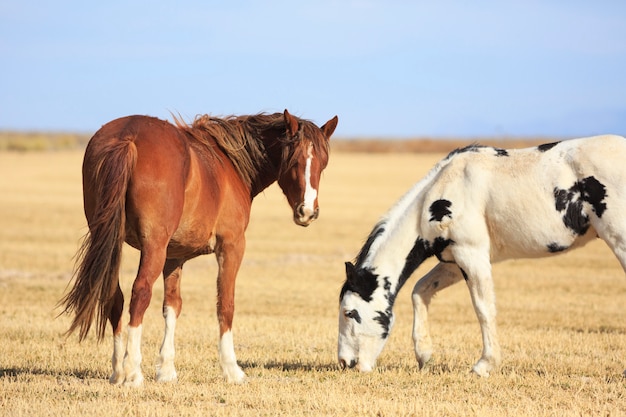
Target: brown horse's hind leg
column 150, row 266
column 229, row 255
column 115, row 317
column 172, row 304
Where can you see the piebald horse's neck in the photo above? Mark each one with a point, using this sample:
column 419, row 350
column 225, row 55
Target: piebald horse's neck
column 396, row 247
column 395, row 236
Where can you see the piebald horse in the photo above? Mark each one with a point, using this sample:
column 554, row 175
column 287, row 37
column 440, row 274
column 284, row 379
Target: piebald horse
column 176, row 191
column 477, row 206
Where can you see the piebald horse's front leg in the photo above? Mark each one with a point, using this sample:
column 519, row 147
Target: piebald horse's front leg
column 477, row 268
column 441, row 276
column 172, row 305
column 229, row 254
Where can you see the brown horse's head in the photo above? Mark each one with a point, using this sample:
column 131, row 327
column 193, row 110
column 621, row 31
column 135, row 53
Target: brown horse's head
column 306, row 156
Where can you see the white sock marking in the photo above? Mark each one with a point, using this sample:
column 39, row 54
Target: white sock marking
column 166, row 370
column 232, row 372
column 132, row 361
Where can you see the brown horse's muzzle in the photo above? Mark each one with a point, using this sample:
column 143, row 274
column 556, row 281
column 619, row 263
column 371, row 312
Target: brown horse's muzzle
column 303, row 216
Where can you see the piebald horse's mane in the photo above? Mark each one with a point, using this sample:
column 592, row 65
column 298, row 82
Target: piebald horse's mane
column 390, row 220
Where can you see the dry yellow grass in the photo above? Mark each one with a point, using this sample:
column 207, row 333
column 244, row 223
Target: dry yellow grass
column 561, row 320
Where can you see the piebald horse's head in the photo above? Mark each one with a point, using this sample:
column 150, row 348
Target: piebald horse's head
column 365, row 320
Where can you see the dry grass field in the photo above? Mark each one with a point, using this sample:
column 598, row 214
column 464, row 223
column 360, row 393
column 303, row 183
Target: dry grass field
column 561, row 320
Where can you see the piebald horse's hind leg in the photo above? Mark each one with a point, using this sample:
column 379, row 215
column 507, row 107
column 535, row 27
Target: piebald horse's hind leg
column 150, row 266
column 229, row 255
column 612, row 229
column 441, row 276
column 172, row 304
column 115, row 317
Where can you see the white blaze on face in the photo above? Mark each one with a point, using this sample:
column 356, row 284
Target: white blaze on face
column 310, row 193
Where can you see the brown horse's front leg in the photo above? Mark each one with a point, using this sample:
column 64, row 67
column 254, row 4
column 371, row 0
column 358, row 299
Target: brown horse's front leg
column 172, row 305
column 229, row 254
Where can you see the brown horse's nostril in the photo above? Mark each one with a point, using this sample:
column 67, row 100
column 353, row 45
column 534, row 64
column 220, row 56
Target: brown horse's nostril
column 303, row 215
column 300, row 210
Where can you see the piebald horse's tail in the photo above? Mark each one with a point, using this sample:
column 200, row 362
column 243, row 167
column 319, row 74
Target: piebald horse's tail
column 107, row 169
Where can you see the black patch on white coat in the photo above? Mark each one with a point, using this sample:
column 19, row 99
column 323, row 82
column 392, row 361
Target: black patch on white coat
column 570, row 203
column 474, row 147
column 547, row 146
column 422, row 250
column 384, row 319
column 439, row 209
column 594, row 193
column 387, row 284
column 361, row 281
column 469, row 148
column 555, row 247
column 353, row 314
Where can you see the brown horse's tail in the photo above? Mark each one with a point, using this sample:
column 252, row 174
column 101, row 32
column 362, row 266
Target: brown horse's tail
column 106, row 173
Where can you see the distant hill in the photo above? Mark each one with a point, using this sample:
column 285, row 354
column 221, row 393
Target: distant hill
column 49, row 141
column 41, row 141
column 430, row 145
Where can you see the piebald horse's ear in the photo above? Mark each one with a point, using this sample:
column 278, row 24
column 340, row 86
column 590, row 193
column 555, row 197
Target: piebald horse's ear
column 349, row 271
column 330, row 127
column 291, row 123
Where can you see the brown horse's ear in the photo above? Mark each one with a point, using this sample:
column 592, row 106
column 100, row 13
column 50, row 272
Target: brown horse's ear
column 291, row 123
column 330, row 126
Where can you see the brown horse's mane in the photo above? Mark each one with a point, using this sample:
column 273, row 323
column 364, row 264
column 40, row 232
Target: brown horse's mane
column 239, row 137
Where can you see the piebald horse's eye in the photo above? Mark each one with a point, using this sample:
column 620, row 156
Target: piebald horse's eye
column 353, row 314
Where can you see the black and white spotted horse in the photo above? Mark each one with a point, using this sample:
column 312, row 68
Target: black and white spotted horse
column 477, row 206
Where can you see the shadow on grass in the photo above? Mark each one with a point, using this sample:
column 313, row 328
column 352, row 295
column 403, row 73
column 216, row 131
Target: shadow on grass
column 16, row 372
column 431, row 368
column 291, row 366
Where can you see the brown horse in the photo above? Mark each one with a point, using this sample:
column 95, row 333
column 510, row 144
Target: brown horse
column 175, row 192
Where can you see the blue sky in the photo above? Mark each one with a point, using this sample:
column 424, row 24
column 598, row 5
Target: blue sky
column 386, row 68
